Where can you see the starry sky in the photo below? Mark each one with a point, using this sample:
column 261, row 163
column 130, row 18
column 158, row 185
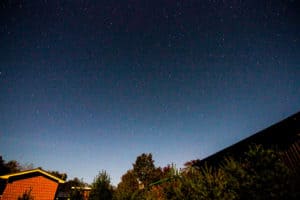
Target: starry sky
column 90, row 85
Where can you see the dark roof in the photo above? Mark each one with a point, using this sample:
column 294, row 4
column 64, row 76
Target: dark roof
column 280, row 136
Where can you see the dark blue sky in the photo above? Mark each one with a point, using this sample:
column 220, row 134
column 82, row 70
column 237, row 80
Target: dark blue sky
column 90, row 85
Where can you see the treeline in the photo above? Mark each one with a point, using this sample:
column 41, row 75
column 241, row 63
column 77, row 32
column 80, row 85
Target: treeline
column 12, row 166
column 260, row 174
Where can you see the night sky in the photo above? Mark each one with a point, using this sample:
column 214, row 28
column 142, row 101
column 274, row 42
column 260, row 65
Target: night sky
column 90, row 85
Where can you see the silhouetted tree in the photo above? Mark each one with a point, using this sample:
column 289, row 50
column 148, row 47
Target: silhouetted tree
column 13, row 166
column 192, row 164
column 58, row 174
column 145, row 170
column 127, row 187
column 101, row 187
column 9, row 167
column 3, row 168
